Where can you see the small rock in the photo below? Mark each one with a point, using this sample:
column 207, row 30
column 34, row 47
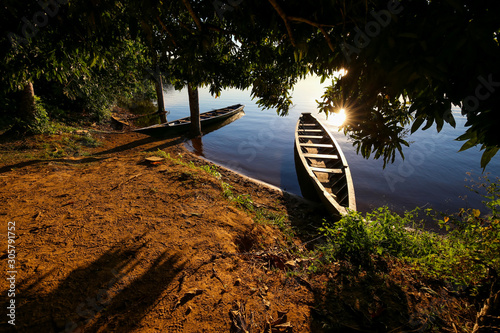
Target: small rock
column 154, row 159
column 81, row 132
column 237, row 282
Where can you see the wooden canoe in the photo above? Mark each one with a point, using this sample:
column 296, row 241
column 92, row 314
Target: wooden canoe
column 182, row 125
column 323, row 165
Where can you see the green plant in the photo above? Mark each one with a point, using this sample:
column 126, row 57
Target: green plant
column 226, row 191
column 347, row 239
column 264, row 216
column 87, row 140
column 211, row 170
column 389, row 232
column 461, row 257
column 243, row 201
column 38, row 122
column 473, row 242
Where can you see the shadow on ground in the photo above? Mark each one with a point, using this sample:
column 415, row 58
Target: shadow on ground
column 360, row 301
column 113, row 293
column 148, row 144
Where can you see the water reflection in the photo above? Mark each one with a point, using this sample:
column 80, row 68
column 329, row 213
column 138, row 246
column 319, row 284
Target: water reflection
column 261, row 146
column 197, row 143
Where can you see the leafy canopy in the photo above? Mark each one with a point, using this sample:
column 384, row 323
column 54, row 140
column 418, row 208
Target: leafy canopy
column 406, row 62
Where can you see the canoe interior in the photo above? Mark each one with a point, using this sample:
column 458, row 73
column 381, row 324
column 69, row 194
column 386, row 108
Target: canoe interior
column 178, row 126
column 324, row 159
column 206, row 115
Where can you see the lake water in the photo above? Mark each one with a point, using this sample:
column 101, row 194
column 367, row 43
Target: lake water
column 260, row 145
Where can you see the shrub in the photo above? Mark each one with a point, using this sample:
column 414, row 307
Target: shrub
column 462, row 256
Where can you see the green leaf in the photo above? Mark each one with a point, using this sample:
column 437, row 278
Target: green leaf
column 94, row 61
column 429, row 123
column 451, row 120
column 487, row 156
column 439, row 124
column 469, row 144
column 417, row 123
column 466, row 136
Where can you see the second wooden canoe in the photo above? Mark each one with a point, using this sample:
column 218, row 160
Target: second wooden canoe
column 182, row 125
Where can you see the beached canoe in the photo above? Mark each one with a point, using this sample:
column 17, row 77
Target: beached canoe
column 183, row 125
column 322, row 166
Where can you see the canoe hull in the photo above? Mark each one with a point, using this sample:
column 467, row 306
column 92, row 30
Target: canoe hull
column 322, row 167
column 207, row 120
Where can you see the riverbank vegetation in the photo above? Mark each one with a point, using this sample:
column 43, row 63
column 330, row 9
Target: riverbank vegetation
column 462, row 255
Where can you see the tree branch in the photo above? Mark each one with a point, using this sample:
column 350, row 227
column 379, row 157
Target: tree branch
column 283, row 16
column 320, row 26
column 287, row 20
column 187, row 27
column 167, row 31
column 328, row 40
column 314, row 24
column 193, row 14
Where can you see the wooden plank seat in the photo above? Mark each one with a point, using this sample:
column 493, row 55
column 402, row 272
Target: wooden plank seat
column 310, row 137
column 310, row 130
column 327, row 156
column 326, row 170
column 317, row 145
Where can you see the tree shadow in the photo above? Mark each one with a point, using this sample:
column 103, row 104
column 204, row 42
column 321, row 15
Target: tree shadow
column 172, row 141
column 24, row 164
column 107, row 294
column 306, row 217
column 168, row 144
column 360, row 301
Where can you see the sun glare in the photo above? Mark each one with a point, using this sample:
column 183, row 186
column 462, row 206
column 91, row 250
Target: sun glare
column 342, row 72
column 337, row 119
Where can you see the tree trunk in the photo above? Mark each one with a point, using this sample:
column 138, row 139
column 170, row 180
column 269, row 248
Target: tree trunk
column 159, row 98
column 26, row 111
column 27, row 104
column 194, row 108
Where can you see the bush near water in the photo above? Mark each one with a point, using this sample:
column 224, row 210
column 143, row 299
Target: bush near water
column 464, row 257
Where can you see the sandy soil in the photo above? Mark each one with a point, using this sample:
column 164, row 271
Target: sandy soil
column 110, row 242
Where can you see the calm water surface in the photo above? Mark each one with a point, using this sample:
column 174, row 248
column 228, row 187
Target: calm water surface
column 260, row 145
